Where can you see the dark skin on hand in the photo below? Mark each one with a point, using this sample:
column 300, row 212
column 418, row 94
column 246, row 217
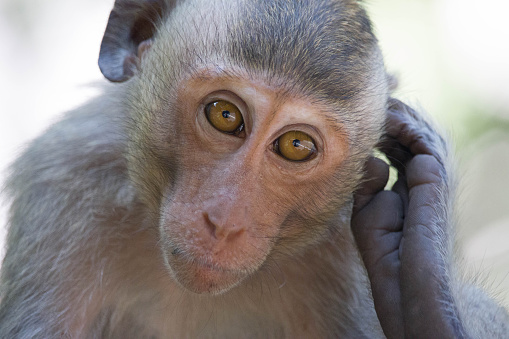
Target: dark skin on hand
column 400, row 232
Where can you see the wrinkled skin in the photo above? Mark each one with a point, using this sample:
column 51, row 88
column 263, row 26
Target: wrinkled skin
column 400, row 232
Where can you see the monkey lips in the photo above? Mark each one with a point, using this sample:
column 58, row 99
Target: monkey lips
column 201, row 277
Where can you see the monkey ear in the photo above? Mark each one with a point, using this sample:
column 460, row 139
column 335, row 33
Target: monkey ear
column 131, row 23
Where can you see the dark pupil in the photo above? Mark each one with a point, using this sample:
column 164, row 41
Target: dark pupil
column 226, row 114
column 296, row 143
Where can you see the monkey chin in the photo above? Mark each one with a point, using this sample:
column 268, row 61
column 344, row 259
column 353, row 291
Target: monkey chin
column 203, row 278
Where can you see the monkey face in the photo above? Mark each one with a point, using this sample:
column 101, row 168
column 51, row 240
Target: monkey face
column 244, row 179
column 239, row 163
column 248, row 161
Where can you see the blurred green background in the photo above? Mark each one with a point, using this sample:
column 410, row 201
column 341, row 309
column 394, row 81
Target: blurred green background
column 451, row 58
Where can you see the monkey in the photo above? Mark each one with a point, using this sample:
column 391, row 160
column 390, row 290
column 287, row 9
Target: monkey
column 224, row 186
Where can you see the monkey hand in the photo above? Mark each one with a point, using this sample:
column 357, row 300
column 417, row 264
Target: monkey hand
column 402, row 234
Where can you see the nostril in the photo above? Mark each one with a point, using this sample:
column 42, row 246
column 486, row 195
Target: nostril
column 235, row 232
column 210, row 225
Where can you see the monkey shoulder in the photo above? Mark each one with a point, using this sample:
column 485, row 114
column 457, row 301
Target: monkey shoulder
column 77, row 163
column 66, row 190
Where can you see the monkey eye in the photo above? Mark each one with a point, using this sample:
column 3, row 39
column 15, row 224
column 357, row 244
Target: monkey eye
column 295, row 146
column 225, row 117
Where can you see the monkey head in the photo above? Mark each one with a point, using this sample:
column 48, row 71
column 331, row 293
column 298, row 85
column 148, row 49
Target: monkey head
column 250, row 122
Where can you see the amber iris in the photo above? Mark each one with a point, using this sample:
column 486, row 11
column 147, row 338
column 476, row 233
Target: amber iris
column 295, row 146
column 224, row 116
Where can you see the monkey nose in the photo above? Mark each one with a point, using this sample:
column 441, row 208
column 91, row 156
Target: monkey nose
column 226, row 231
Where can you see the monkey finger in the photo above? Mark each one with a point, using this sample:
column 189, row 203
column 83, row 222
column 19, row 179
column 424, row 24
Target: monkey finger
column 411, row 130
column 425, row 290
column 386, row 291
column 376, row 175
column 377, row 227
column 400, row 187
column 426, row 169
column 377, row 231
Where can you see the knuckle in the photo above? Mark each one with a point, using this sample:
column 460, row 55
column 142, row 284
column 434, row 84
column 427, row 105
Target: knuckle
column 424, row 168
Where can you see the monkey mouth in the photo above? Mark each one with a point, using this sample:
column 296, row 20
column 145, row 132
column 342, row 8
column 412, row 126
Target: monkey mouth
column 203, row 277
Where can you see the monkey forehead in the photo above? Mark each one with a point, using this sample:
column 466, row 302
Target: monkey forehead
column 326, row 48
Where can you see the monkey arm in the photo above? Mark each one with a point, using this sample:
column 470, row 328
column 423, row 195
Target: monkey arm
column 404, row 239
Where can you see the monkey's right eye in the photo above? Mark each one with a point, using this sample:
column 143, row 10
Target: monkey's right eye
column 225, row 117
